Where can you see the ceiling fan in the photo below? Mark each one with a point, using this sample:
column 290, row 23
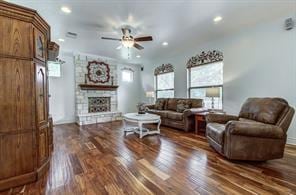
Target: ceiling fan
column 128, row 40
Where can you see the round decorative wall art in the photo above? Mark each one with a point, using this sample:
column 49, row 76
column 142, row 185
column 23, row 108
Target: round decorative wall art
column 98, row 72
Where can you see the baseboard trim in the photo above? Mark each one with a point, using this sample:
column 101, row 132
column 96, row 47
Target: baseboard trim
column 291, row 140
column 63, row 122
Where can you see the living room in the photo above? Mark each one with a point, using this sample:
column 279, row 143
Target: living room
column 153, row 97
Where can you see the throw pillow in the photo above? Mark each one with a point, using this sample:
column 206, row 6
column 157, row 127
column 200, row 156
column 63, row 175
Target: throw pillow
column 182, row 105
column 159, row 104
column 172, row 104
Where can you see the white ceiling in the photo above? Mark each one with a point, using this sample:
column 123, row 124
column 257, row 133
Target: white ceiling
column 179, row 22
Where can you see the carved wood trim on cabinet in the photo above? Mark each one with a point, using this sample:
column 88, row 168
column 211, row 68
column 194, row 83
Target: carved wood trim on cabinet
column 41, row 95
column 43, row 149
column 39, row 45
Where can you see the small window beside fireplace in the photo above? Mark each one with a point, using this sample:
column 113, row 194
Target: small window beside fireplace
column 98, row 104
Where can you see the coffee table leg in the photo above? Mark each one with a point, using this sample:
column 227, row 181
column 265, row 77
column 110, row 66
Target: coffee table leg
column 140, row 129
column 124, row 126
column 158, row 126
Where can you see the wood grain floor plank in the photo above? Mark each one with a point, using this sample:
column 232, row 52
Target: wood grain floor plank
column 154, row 169
column 75, row 164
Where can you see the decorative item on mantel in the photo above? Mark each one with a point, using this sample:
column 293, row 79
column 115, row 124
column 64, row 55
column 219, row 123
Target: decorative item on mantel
column 112, row 80
column 98, row 72
column 141, row 108
column 85, row 78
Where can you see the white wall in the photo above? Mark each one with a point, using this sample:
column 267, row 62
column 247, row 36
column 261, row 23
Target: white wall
column 62, row 91
column 260, row 61
column 129, row 93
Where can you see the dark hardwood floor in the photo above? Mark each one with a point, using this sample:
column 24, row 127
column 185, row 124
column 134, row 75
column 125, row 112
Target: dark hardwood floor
column 98, row 159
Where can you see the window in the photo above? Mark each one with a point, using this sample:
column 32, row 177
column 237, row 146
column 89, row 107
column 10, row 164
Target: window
column 206, row 76
column 54, row 69
column 165, row 85
column 127, row 75
column 164, row 81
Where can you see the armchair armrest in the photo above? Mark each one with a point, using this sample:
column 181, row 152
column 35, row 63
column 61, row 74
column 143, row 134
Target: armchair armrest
column 220, row 118
column 192, row 111
column 150, row 106
column 253, row 129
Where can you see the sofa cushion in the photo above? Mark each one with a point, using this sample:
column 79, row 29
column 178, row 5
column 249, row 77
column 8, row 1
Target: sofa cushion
column 161, row 113
column 172, row 104
column 266, row 110
column 183, row 105
column 175, row 115
column 196, row 103
column 216, row 132
column 160, row 104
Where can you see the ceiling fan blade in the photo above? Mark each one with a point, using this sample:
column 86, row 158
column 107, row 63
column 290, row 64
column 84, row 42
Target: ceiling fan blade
column 114, row 39
column 147, row 38
column 119, row 47
column 136, row 45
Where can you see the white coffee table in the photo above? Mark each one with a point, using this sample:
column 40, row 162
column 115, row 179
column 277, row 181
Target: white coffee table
column 141, row 119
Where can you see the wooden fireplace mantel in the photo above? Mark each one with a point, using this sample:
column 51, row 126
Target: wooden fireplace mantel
column 98, row 87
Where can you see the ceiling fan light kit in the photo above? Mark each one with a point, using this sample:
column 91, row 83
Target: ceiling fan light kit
column 128, row 42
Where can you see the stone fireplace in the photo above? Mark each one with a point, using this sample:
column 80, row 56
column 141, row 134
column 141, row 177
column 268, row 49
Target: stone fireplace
column 98, row 104
column 95, row 105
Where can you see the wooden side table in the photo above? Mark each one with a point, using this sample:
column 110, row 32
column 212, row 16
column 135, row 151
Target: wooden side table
column 200, row 122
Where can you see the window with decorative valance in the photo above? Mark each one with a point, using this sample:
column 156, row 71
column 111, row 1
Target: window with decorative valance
column 127, row 75
column 164, row 81
column 205, row 71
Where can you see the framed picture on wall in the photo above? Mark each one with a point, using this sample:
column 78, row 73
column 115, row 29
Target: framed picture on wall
column 39, row 45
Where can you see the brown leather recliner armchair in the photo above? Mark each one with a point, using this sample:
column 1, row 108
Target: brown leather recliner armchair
column 257, row 134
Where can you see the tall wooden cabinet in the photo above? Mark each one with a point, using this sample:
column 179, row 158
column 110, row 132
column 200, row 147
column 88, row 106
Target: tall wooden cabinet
column 25, row 136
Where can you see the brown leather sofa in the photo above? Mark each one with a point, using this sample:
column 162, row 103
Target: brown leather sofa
column 177, row 112
column 257, row 134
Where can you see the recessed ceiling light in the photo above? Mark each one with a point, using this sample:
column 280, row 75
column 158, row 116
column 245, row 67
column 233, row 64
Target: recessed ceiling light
column 61, row 40
column 165, row 43
column 66, row 9
column 138, row 56
column 217, row 19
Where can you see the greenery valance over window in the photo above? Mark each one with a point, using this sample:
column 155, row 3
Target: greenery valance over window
column 165, row 68
column 205, row 58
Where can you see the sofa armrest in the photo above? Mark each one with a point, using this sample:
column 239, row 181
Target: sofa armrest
column 220, row 118
column 150, row 106
column 253, row 129
column 192, row 111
